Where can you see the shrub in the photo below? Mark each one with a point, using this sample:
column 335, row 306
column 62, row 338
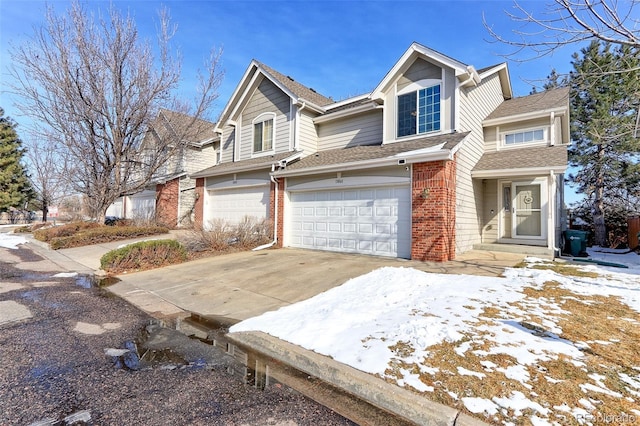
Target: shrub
column 48, row 234
column 221, row 236
column 103, row 234
column 143, row 255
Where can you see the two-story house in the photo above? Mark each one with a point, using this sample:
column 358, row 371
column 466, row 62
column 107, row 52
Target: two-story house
column 437, row 159
column 170, row 197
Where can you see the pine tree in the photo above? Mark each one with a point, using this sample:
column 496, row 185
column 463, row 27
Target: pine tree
column 605, row 87
column 15, row 188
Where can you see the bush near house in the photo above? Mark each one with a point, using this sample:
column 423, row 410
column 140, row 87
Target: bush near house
column 222, row 237
column 143, row 255
column 86, row 233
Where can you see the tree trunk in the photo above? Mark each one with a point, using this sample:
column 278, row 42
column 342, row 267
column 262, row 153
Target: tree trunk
column 600, row 237
column 45, row 210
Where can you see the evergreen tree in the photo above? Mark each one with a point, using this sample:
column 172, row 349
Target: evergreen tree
column 554, row 81
column 605, row 87
column 15, row 188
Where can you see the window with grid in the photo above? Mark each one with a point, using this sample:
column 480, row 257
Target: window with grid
column 529, row 136
column 419, row 111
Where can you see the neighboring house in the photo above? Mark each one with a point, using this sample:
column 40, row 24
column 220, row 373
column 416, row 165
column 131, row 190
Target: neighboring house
column 171, row 196
column 437, row 159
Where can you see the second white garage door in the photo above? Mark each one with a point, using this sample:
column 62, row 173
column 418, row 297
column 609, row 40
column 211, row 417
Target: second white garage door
column 373, row 221
column 233, row 204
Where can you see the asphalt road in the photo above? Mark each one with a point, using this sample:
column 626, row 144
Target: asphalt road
column 53, row 367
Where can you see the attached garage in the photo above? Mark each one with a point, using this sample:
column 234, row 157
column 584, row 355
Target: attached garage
column 142, row 205
column 231, row 204
column 366, row 220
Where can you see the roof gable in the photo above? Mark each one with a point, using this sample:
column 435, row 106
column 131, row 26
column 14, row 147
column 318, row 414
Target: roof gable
column 252, row 78
column 416, row 51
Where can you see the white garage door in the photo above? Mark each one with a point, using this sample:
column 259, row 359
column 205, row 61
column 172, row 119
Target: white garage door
column 373, row 221
column 142, row 206
column 233, row 204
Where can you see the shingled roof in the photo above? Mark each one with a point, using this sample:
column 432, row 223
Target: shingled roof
column 523, row 158
column 257, row 163
column 195, row 131
column 554, row 98
column 296, row 88
column 373, row 152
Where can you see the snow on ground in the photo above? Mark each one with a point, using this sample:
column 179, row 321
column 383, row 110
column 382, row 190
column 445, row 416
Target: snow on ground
column 11, row 241
column 360, row 321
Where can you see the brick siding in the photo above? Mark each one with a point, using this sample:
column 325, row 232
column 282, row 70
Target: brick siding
column 199, row 204
column 433, row 211
column 280, row 230
column 167, row 203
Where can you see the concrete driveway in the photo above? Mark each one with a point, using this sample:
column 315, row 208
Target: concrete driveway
column 246, row 284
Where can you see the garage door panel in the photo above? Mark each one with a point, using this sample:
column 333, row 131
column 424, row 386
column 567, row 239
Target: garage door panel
column 232, row 205
column 352, row 220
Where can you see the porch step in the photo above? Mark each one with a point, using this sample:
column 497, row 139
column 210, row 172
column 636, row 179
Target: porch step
column 536, row 251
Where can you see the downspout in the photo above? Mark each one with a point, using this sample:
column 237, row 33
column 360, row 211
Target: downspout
column 275, row 219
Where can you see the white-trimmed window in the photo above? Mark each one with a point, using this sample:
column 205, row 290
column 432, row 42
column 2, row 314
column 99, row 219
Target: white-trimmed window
column 263, row 132
column 525, row 136
column 419, row 108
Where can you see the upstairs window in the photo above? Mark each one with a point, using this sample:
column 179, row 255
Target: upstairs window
column 527, row 136
column 419, row 111
column 263, row 133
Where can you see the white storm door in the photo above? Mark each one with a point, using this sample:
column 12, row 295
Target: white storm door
column 528, row 210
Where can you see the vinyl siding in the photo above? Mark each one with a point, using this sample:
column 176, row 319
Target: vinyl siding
column 227, row 142
column 489, row 219
column 266, row 98
column 475, row 104
column 363, row 129
column 200, row 158
column 308, row 138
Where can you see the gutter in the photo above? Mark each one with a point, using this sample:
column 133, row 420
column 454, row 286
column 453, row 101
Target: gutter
column 370, row 106
column 560, row 111
column 515, row 171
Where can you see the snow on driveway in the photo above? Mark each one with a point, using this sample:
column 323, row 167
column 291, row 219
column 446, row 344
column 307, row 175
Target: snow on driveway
column 362, row 322
column 11, row 241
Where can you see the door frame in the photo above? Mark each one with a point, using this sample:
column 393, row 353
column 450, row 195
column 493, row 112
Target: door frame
column 544, row 209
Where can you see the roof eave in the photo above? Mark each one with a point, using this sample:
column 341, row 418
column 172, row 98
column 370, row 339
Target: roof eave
column 369, row 106
column 526, row 116
column 527, row 171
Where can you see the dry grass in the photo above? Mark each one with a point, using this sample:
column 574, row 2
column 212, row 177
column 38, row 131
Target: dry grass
column 609, row 327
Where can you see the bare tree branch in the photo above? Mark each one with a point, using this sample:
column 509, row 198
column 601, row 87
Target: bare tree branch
column 569, row 21
column 95, row 89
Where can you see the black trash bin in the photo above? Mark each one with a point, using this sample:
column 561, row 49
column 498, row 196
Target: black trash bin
column 575, row 242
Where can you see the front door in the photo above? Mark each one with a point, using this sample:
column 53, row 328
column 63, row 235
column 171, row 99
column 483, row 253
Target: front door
column 528, row 206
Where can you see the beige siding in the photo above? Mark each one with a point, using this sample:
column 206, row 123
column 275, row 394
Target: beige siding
column 308, row 137
column 266, row 98
column 475, row 104
column 494, row 135
column 490, row 211
column 228, row 138
column 200, row 158
column 419, row 70
column 362, row 129
column 186, row 202
column 394, row 171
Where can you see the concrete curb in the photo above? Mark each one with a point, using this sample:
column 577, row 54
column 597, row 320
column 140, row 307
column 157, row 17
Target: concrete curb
column 371, row 389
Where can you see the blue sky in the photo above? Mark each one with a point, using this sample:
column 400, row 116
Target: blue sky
column 339, row 48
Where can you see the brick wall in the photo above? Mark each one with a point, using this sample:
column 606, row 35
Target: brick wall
column 433, row 211
column 167, row 203
column 199, row 204
column 280, row 201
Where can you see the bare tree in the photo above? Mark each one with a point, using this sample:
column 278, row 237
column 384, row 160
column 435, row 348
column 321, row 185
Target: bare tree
column 48, row 174
column 94, row 88
column 570, row 21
